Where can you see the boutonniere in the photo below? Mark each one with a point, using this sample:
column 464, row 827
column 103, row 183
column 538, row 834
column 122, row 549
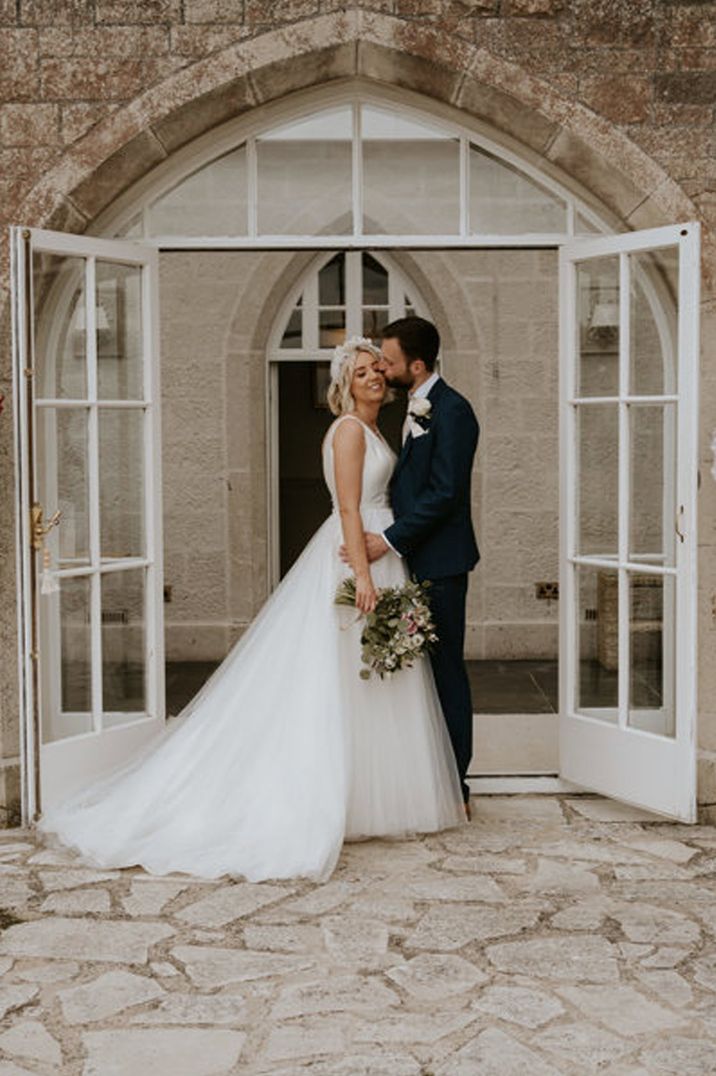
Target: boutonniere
column 419, row 410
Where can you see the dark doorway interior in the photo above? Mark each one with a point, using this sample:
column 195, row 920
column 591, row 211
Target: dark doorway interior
column 304, row 501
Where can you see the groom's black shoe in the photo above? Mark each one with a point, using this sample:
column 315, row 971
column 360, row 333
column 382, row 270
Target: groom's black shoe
column 468, row 810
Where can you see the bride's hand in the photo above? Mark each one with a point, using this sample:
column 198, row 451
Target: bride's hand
column 366, row 595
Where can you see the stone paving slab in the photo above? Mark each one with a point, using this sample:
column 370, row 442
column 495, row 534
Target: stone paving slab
column 553, row 936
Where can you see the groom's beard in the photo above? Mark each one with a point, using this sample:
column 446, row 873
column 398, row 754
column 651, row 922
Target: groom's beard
column 396, row 383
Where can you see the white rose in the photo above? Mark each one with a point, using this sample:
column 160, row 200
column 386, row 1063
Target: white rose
column 420, row 406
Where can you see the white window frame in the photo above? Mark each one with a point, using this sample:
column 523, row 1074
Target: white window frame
column 132, row 209
column 639, row 766
column 61, row 765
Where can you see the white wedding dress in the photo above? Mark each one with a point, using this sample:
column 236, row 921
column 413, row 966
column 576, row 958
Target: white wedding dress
column 285, row 752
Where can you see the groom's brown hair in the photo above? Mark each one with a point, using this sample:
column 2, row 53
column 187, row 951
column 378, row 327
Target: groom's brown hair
column 418, row 338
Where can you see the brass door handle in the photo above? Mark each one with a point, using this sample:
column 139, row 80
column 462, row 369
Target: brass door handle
column 38, row 529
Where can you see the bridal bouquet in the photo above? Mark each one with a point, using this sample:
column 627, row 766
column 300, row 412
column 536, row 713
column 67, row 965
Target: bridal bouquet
column 399, row 629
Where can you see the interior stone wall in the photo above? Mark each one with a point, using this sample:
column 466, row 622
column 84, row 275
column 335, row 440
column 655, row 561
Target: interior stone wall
column 498, row 318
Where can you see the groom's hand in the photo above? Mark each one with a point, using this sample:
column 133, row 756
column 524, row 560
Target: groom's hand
column 375, row 547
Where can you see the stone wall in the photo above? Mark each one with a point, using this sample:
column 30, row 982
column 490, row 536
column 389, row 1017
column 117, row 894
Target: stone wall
column 618, row 97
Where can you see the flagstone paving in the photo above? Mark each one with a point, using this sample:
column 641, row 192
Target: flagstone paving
column 552, row 935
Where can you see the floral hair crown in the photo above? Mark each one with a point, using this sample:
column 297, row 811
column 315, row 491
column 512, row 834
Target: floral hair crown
column 343, row 352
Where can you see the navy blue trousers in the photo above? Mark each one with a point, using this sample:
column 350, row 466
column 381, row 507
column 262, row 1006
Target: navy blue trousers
column 447, row 602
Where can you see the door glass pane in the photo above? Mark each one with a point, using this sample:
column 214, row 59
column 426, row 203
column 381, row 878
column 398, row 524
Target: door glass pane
column 653, row 484
column 63, row 483
column 119, row 331
column 332, row 282
column 653, row 336
column 651, row 650
column 504, row 201
column 121, row 474
column 375, row 282
column 58, row 292
column 212, row 201
column 598, row 479
column 331, row 328
column 304, row 176
column 373, row 321
column 598, row 327
column 411, row 176
column 66, row 696
column 123, row 644
column 293, row 333
column 598, row 627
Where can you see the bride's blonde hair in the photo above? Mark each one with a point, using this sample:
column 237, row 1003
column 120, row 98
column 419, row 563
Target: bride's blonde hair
column 343, row 364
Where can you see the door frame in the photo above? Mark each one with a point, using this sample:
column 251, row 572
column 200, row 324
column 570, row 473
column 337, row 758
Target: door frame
column 587, row 741
column 96, row 750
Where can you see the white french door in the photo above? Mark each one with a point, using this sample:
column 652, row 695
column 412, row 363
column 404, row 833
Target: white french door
column 629, row 326
column 85, row 342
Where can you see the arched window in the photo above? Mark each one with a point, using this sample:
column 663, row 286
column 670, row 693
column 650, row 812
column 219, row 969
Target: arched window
column 342, row 295
column 361, row 168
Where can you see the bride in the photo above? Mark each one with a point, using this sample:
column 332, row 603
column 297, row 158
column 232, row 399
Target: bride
column 286, row 752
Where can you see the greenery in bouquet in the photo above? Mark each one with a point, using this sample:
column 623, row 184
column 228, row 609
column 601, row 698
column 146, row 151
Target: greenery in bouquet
column 399, row 629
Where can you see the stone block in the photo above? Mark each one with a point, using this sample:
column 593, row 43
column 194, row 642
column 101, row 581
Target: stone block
column 433, row 76
column 29, row 124
column 117, row 172
column 195, row 117
column 623, row 1009
column 274, row 80
column 31, row 1040
column 587, row 958
column 534, row 7
column 209, row 11
column 126, row 42
column 582, row 1045
column 507, row 113
column 116, row 942
column 19, row 74
column 492, row 1053
column 187, row 1051
column 621, row 98
column 106, row 996
column 231, row 902
column 602, row 22
column 72, row 78
column 691, row 87
column 141, row 11
column 603, row 178
column 209, row 967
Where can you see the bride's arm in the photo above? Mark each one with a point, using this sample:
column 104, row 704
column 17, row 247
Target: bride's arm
column 348, row 455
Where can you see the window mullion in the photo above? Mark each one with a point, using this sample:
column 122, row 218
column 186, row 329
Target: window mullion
column 94, row 495
column 464, row 187
column 624, row 494
column 357, row 170
column 252, row 187
column 354, row 293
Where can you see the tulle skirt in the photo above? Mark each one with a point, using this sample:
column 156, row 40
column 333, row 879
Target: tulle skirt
column 284, row 753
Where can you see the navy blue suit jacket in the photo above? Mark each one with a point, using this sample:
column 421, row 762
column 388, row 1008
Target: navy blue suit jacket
column 430, row 490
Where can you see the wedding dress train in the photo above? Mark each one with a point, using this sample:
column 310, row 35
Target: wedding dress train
column 285, row 752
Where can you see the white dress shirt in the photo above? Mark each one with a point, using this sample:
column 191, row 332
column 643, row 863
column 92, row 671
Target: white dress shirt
column 422, row 390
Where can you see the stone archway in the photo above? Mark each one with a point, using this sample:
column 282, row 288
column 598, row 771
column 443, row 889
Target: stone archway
column 528, row 111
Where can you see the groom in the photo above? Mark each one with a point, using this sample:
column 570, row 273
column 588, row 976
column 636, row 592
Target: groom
column 430, row 495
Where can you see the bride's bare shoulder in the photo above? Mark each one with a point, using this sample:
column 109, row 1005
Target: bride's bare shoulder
column 346, row 435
